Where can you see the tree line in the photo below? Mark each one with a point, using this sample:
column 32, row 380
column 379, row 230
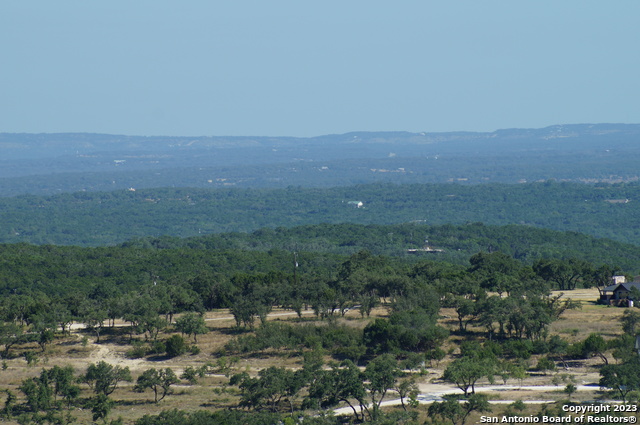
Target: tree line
column 360, row 281
column 319, row 249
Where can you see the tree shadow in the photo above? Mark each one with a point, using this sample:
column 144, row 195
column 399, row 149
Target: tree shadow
column 133, row 402
column 234, row 330
column 159, row 358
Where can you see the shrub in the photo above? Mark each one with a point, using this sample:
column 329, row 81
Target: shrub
column 175, row 346
column 519, row 348
column 31, row 357
column 158, row 347
column 413, row 361
column 137, row 351
column 191, row 375
column 545, row 364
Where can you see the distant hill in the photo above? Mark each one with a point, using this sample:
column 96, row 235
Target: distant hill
column 454, row 244
column 320, row 249
column 54, row 163
column 106, row 218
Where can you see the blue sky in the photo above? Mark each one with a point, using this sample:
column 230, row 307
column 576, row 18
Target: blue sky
column 296, row 68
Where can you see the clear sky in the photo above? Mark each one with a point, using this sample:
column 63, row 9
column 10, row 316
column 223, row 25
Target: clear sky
column 302, row 68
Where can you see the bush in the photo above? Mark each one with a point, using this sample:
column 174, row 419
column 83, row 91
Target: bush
column 276, row 336
column 540, row 346
column 352, row 352
column 191, row 375
column 31, row 357
column 545, row 364
column 137, row 351
column 436, row 354
column 576, row 351
column 242, row 344
column 158, row 347
column 175, row 346
column 518, row 348
column 413, row 361
column 341, row 341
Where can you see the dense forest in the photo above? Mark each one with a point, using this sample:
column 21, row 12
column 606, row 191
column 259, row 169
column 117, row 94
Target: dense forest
column 318, row 249
column 107, row 218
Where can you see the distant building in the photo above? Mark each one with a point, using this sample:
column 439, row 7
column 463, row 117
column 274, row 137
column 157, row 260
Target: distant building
column 617, row 201
column 619, row 293
column 426, row 248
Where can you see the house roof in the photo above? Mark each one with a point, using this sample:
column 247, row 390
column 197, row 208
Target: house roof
column 622, row 286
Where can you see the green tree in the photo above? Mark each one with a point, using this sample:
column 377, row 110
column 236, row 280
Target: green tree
column 176, row 298
column 408, row 388
column 342, row 383
column 466, row 371
column 9, row 404
column 602, row 277
column 10, row 335
column 563, row 274
column 595, row 345
column 192, row 324
column 244, row 311
column 496, row 271
column 464, row 307
column 381, row 374
column 18, row 308
column 151, row 325
column 104, row 378
column 93, row 316
column 623, row 378
column 159, row 381
column 630, row 320
column 192, row 374
column 39, row 392
column 545, row 364
column 272, row 386
column 62, row 316
column 410, row 330
column 518, row 371
column 140, row 309
column 457, row 412
column 45, row 337
column 569, row 389
column 64, row 384
column 214, row 290
column 101, row 405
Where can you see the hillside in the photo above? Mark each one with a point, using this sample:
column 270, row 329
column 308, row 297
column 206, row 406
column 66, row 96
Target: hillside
column 320, row 250
column 106, row 218
column 47, row 164
column 449, row 243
